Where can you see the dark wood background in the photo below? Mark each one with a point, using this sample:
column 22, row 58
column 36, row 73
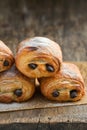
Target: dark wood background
column 64, row 21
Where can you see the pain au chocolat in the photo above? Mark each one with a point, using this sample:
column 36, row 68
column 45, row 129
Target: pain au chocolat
column 6, row 57
column 38, row 57
column 67, row 85
column 14, row 86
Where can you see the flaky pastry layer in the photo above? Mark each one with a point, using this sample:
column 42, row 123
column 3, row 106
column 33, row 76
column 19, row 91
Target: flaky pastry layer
column 38, row 57
column 6, row 57
column 14, row 86
column 67, row 85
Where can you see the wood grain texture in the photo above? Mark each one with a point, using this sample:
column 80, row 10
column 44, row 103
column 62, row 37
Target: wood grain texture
column 64, row 21
column 44, row 126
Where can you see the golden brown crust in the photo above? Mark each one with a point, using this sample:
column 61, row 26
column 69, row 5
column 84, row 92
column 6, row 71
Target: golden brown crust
column 6, row 57
column 39, row 51
column 14, row 86
column 67, row 85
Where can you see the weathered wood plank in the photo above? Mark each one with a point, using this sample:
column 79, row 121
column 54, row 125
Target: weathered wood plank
column 42, row 126
column 64, row 21
column 53, row 115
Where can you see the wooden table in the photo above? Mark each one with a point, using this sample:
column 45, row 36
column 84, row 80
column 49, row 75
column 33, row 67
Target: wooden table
column 64, row 21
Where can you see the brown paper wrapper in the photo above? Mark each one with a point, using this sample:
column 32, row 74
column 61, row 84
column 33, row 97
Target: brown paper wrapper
column 38, row 101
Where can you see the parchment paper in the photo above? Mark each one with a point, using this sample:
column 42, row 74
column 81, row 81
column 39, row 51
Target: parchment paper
column 38, row 101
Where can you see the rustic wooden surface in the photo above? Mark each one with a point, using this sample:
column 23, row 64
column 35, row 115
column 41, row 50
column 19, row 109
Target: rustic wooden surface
column 64, row 21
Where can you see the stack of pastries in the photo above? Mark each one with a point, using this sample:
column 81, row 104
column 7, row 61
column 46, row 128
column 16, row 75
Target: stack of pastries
column 41, row 58
column 38, row 58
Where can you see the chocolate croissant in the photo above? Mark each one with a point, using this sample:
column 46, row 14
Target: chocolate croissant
column 14, row 86
column 38, row 57
column 6, row 57
column 67, row 85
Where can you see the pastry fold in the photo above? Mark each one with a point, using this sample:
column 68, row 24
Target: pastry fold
column 67, row 85
column 6, row 57
column 14, row 86
column 38, row 57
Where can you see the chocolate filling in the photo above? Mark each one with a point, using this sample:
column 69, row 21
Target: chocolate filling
column 49, row 68
column 6, row 63
column 32, row 66
column 55, row 93
column 73, row 93
column 18, row 92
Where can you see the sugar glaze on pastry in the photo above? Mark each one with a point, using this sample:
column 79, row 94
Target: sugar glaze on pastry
column 38, row 57
column 67, row 85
